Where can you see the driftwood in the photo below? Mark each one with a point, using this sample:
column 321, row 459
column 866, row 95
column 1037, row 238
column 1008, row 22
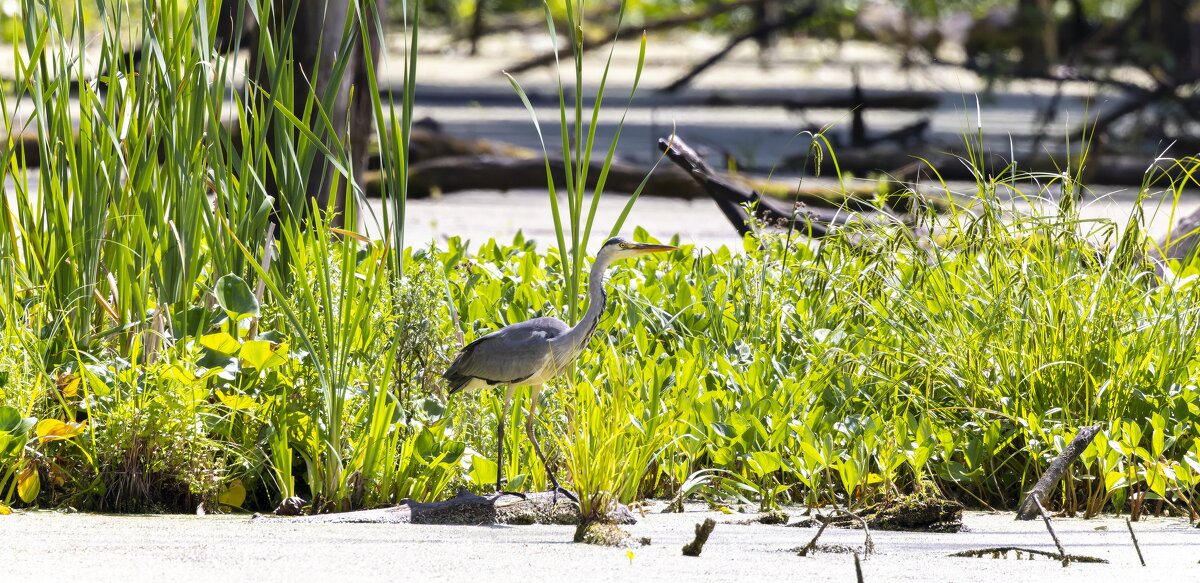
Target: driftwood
column 734, row 198
column 428, row 142
column 445, row 163
column 1054, row 473
column 910, row 513
column 465, row 508
column 998, row 552
column 898, row 100
column 703, row 529
column 506, row 173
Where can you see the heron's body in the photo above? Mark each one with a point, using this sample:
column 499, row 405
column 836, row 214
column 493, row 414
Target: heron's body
column 533, row 352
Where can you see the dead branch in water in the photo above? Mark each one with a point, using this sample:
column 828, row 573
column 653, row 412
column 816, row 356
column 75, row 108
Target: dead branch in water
column 1054, row 473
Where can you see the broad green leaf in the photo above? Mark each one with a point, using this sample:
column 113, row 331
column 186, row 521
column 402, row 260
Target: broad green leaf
column 10, row 444
column 433, row 408
column 237, row 402
column 483, row 470
column 766, row 462
column 4, row 509
column 1156, row 480
column 262, row 355
column 10, row 419
column 724, row 430
column 29, row 484
column 181, row 374
column 234, row 495
column 234, row 296
column 68, row 385
column 812, row 454
column 51, row 429
column 1115, row 480
column 426, row 445
column 919, row 456
column 220, row 342
column 452, row 452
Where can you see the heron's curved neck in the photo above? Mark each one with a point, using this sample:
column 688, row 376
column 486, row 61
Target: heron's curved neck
column 579, row 335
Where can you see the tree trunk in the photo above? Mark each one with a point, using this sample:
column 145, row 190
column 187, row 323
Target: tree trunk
column 317, row 38
column 1036, row 36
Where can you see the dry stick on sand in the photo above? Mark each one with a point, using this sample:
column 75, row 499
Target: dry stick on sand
column 1054, row 473
column 703, row 529
column 1136, row 546
column 868, row 544
column 813, row 543
column 1046, row 517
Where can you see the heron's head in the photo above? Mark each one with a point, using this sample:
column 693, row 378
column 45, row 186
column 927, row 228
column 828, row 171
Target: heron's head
column 618, row 248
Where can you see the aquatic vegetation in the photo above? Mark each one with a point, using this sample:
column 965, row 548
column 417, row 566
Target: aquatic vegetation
column 164, row 352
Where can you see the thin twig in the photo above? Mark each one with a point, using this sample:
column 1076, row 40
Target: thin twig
column 813, row 543
column 1042, row 510
column 868, row 544
column 1136, row 546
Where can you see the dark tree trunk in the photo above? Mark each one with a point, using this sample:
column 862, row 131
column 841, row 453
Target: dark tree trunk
column 1036, row 37
column 477, row 26
column 317, row 37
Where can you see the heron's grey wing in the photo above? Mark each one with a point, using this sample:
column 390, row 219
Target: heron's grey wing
column 508, row 355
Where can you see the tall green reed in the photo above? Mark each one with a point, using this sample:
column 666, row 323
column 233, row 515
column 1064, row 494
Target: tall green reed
column 578, row 140
column 152, row 201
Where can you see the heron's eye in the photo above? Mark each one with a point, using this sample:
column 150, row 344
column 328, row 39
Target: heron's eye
column 623, row 246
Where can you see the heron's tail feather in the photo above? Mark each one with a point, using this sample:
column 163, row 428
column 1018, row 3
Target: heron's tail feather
column 457, row 383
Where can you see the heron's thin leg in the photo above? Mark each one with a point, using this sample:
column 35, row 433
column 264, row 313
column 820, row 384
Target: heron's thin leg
column 537, row 390
column 508, row 397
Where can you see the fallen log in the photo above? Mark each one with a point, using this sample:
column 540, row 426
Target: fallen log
column 487, row 172
column 1054, row 473
column 733, row 198
column 898, row 100
column 730, row 197
column 499, row 172
column 465, row 509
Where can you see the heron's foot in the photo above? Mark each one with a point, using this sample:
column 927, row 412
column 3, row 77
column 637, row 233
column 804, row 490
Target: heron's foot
column 520, row 495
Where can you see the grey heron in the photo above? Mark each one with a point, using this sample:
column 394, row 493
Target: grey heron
column 533, row 352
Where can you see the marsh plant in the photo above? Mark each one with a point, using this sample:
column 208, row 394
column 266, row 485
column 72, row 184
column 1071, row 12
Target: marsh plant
column 166, row 352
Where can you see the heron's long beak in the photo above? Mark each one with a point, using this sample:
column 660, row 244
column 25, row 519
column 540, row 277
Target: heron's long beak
column 644, row 248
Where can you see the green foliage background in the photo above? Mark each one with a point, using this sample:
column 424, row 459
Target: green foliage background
column 151, row 357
